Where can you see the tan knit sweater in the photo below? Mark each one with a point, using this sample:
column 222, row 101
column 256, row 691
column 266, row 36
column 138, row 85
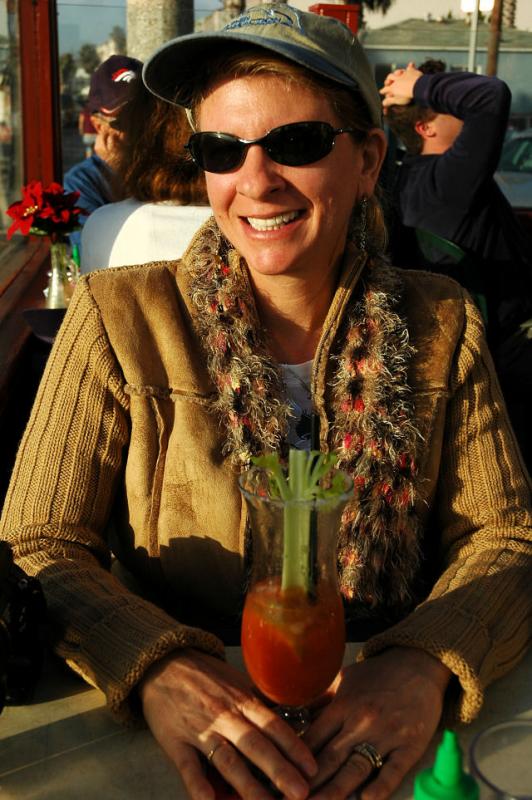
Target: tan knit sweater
column 121, row 453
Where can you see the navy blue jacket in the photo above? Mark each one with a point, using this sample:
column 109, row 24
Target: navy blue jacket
column 455, row 195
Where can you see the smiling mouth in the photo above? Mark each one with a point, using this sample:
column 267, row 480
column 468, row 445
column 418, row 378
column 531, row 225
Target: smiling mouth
column 273, row 223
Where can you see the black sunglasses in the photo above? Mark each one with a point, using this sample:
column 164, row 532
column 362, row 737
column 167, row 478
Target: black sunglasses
column 292, row 145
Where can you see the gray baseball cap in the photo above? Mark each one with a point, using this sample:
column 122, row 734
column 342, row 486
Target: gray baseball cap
column 321, row 44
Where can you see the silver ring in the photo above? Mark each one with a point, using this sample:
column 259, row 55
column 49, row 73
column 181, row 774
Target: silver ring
column 212, row 751
column 370, row 753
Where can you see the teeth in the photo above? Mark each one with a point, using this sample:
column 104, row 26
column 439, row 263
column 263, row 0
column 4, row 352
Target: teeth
column 273, row 223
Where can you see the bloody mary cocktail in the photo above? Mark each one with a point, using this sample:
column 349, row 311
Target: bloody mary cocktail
column 292, row 644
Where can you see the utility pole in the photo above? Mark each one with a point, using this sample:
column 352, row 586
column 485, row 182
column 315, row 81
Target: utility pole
column 473, row 38
column 495, row 36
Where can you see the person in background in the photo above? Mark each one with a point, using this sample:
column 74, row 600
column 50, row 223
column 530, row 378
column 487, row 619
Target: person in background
column 166, row 379
column 87, row 131
column 166, row 196
column 92, row 177
column 453, row 127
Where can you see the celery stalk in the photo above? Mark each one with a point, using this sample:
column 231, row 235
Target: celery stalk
column 296, row 521
column 302, row 483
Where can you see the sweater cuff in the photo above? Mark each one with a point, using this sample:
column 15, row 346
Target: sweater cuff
column 132, row 639
column 422, row 90
column 462, row 647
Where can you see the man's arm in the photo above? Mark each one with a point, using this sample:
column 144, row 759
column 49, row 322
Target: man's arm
column 483, row 103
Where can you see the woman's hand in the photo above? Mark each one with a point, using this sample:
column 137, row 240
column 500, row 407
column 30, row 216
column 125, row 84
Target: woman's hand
column 193, row 701
column 392, row 701
column 398, row 89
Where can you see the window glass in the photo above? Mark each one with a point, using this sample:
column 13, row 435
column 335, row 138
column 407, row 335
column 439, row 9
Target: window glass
column 89, row 31
column 10, row 116
column 517, row 155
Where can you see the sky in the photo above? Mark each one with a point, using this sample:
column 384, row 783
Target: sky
column 83, row 21
column 405, row 9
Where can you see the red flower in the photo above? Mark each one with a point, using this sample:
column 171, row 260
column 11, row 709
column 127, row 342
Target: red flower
column 46, row 211
column 24, row 211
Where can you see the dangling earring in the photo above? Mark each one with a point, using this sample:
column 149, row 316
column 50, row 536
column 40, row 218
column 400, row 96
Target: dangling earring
column 363, row 223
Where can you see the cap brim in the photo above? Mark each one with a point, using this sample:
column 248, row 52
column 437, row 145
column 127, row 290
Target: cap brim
column 170, row 72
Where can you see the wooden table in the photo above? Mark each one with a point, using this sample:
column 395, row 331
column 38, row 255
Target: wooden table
column 65, row 746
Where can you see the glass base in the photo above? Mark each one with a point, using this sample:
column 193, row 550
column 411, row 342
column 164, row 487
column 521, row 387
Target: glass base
column 298, row 717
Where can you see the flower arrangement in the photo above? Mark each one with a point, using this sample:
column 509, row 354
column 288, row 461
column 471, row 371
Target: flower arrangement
column 45, row 211
column 50, row 211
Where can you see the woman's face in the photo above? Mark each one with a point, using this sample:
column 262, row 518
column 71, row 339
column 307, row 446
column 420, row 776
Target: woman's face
column 285, row 220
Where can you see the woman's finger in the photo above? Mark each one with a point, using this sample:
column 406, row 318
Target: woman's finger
column 327, row 725
column 357, row 771
column 187, row 762
column 340, row 760
column 389, row 777
column 353, row 773
column 282, row 735
column 233, row 768
column 261, row 747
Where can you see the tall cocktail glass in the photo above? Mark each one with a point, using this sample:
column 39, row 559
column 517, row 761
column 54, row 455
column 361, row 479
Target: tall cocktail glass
column 293, row 630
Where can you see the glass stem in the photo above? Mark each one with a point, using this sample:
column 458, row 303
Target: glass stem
column 298, row 717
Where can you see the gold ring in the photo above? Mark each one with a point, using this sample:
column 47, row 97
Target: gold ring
column 370, row 753
column 212, row 751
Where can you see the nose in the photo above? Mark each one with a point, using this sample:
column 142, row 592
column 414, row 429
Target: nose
column 259, row 176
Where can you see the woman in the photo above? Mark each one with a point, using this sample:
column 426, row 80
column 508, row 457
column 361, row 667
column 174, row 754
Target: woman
column 166, row 201
column 179, row 372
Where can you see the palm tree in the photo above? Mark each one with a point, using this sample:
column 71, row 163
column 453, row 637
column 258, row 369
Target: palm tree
column 374, row 5
column 377, row 5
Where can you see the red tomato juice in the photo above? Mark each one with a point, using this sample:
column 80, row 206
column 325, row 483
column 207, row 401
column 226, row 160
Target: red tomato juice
column 292, row 645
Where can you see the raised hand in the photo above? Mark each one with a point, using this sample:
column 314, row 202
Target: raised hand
column 399, row 85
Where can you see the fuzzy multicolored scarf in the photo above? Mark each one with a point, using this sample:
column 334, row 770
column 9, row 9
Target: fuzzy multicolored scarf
column 373, row 430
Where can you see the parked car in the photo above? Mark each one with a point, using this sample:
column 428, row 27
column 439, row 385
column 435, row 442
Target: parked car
column 514, row 175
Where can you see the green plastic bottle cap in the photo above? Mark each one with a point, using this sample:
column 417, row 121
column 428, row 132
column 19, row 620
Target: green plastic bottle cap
column 75, row 255
column 446, row 779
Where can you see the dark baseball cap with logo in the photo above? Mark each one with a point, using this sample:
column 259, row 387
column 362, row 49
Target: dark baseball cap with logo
column 321, row 44
column 110, row 83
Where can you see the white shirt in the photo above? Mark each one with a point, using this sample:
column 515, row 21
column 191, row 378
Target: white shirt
column 131, row 232
column 297, row 378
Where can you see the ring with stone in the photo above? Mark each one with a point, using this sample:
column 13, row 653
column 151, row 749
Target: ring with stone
column 370, row 753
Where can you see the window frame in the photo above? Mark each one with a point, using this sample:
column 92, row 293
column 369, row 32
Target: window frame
column 41, row 137
column 40, row 98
